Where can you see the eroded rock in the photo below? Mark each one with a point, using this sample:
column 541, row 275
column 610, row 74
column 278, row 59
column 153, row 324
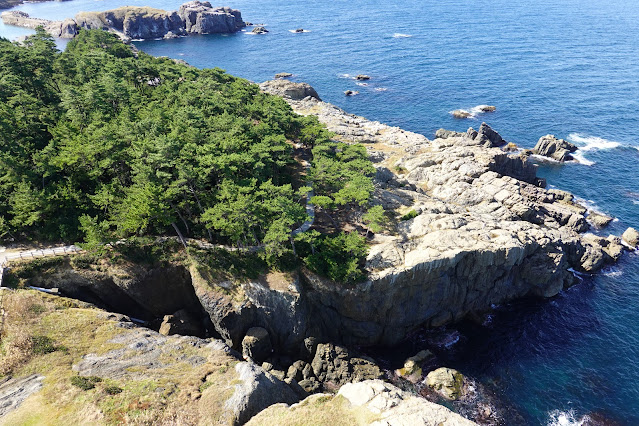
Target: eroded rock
column 557, row 149
column 447, row 382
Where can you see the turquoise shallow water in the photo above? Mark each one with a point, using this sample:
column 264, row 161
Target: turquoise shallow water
column 569, row 68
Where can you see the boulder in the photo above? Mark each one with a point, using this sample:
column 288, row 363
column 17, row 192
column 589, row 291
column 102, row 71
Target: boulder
column 290, row 90
column 256, row 345
column 259, row 30
column 471, row 133
column 299, row 30
column 460, row 113
column 362, row 77
column 256, row 391
column 557, row 149
column 333, row 364
column 600, row 220
column 283, row 75
column 412, row 366
column 615, row 248
column 631, row 237
column 486, row 108
column 447, row 382
column 488, row 137
column 445, row 134
column 351, row 93
column 181, row 322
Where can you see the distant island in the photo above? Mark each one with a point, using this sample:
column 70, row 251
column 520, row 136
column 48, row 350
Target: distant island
column 139, row 23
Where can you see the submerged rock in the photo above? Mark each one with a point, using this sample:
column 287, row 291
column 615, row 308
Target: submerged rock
column 283, row 75
column 557, row 149
column 362, row 77
column 259, row 30
column 447, row 382
column 486, row 108
column 351, row 93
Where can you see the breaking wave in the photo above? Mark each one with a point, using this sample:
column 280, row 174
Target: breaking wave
column 566, row 418
column 400, row 35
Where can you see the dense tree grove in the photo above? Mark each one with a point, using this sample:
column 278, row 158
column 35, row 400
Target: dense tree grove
column 101, row 142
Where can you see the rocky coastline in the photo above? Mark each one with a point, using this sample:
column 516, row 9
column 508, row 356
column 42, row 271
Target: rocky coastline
column 140, row 23
column 474, row 227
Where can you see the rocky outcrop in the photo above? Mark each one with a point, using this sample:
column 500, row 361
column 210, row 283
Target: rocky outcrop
column 256, row 345
column 446, row 382
column 370, row 402
column 129, row 22
column 13, row 392
column 631, row 237
column 334, row 366
column 290, row 90
column 557, row 149
column 460, row 113
column 181, row 322
column 485, row 232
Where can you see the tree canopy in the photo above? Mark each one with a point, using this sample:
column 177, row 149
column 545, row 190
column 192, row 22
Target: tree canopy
column 102, row 142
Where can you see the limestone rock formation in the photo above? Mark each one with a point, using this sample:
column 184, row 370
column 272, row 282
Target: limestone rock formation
column 129, row 22
column 557, row 149
column 447, row 382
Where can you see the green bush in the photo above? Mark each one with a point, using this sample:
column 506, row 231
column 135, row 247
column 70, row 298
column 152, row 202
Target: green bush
column 112, row 389
column 410, row 215
column 85, row 383
column 43, row 345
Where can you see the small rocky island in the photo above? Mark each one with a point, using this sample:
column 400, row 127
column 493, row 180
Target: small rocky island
column 140, row 23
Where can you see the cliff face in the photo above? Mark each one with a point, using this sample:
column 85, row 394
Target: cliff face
column 484, row 232
column 130, row 22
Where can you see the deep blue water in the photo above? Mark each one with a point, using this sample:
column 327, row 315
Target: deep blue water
column 570, row 68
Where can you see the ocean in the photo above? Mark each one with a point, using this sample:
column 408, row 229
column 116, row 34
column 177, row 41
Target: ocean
column 568, row 68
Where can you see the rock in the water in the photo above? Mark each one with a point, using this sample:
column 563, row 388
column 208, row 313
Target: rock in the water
column 201, row 18
column 259, row 30
column 486, row 108
column 181, row 322
column 557, row 149
column 299, row 30
column 631, row 237
column 351, row 93
column 256, row 345
column 460, row 113
column 488, row 137
column 362, row 77
column 412, row 366
column 283, row 75
column 600, row 220
column 334, row 364
column 289, row 89
column 447, row 382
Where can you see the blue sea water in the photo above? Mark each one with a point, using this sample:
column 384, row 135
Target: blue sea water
column 569, row 68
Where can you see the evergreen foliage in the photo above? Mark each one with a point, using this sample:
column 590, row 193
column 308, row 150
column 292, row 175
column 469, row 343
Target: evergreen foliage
column 101, row 142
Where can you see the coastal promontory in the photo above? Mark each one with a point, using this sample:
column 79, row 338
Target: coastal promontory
column 132, row 22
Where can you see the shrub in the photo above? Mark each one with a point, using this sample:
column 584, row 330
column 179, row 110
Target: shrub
column 112, row 389
column 42, row 345
column 85, row 383
column 410, row 215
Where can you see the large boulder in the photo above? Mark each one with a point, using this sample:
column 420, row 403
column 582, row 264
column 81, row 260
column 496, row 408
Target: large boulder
column 488, row 137
column 557, row 149
column 334, row 365
column 256, row 345
column 256, row 391
column 289, row 89
column 181, row 322
column 631, row 237
column 447, row 382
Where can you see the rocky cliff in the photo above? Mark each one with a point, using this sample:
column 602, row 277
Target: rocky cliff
column 483, row 231
column 194, row 17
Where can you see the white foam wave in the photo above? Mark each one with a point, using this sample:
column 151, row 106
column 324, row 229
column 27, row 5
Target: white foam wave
column 380, row 89
column 362, row 84
column 635, row 202
column 400, row 35
column 589, row 143
column 581, row 159
column 345, row 76
column 566, row 418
